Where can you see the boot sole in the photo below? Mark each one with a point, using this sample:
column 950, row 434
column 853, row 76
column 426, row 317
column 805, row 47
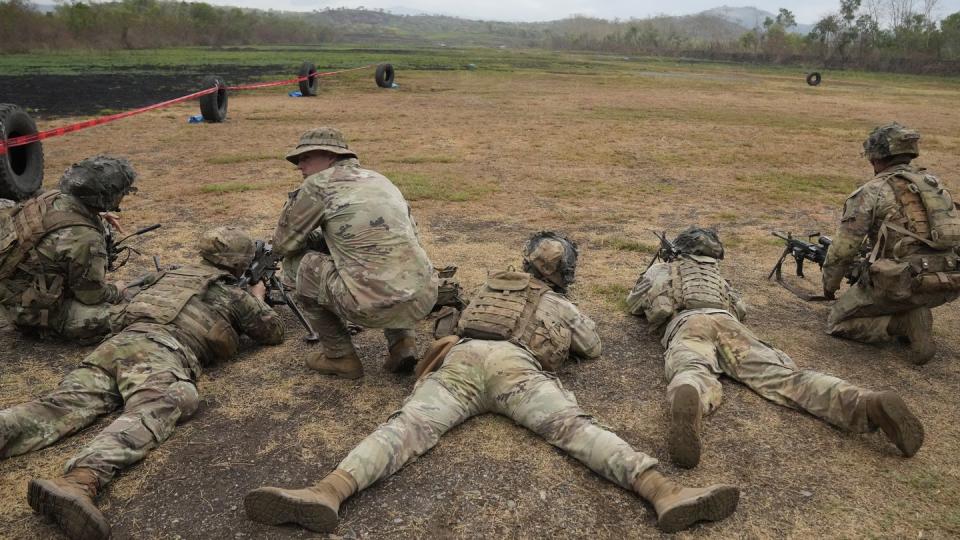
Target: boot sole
column 350, row 376
column 272, row 507
column 404, row 365
column 921, row 355
column 719, row 502
column 907, row 431
column 71, row 515
column 684, row 443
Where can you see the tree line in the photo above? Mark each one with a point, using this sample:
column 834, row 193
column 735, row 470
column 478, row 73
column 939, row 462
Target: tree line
column 891, row 35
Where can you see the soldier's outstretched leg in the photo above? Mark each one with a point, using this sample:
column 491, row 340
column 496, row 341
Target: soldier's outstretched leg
column 537, row 401
column 84, row 394
column 773, row 375
column 402, row 346
column 693, row 391
column 338, row 357
column 69, row 502
column 439, row 402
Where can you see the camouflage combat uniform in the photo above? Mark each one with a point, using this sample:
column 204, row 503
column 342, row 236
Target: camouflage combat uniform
column 60, row 287
column 185, row 319
column 483, row 376
column 704, row 337
column 864, row 311
column 372, row 272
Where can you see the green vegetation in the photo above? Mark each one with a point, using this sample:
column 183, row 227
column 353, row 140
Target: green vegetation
column 419, row 187
column 229, row 187
column 414, row 160
column 783, row 186
column 614, row 294
column 622, row 243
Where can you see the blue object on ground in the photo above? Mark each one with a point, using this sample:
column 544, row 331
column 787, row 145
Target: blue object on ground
column 195, row 119
column 295, row 93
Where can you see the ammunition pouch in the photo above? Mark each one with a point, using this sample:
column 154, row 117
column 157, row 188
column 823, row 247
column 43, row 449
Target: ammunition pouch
column 893, row 278
column 916, row 274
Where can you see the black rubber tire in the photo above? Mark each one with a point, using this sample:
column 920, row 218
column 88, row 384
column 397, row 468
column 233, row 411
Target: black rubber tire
column 309, row 87
column 384, row 76
column 814, row 78
column 213, row 106
column 21, row 167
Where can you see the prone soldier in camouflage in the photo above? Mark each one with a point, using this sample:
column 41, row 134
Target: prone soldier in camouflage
column 351, row 247
column 912, row 224
column 53, row 254
column 515, row 332
column 701, row 317
column 181, row 320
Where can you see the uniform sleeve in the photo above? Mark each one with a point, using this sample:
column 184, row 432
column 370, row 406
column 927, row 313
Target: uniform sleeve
column 738, row 304
column 585, row 341
column 640, row 300
column 83, row 252
column 256, row 319
column 302, row 214
column 855, row 225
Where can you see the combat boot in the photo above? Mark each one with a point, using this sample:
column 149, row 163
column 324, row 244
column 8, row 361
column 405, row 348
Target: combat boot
column 345, row 367
column 68, row 501
column 315, row 507
column 887, row 411
column 680, row 507
column 916, row 326
column 403, row 355
column 685, row 415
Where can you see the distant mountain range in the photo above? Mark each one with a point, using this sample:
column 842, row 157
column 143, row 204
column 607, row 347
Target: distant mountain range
column 750, row 17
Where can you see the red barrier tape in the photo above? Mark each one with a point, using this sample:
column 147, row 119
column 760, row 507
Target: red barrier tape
column 56, row 132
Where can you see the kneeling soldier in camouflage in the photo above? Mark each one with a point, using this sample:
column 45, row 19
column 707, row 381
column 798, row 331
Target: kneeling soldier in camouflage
column 908, row 218
column 700, row 316
column 514, row 333
column 182, row 320
column 53, row 253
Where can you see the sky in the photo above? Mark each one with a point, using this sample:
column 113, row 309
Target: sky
column 808, row 11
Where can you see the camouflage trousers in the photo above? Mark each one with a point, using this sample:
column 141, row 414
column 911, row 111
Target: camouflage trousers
column 705, row 345
column 478, row 377
column 863, row 313
column 69, row 320
column 145, row 374
column 318, row 282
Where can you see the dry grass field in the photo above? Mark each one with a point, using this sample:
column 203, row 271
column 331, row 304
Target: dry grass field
column 605, row 153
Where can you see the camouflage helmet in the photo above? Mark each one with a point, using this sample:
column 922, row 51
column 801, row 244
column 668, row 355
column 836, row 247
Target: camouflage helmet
column 699, row 241
column 99, row 182
column 327, row 139
column 227, row 247
column 551, row 256
column 891, row 140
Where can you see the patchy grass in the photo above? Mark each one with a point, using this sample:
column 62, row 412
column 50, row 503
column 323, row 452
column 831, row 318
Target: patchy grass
column 622, row 243
column 229, row 187
column 790, row 187
column 423, row 187
column 614, row 294
column 239, row 158
column 416, row 160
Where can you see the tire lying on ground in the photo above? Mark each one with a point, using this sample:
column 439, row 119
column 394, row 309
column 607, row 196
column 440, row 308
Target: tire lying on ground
column 213, row 106
column 21, row 167
column 814, row 78
column 309, row 87
column 384, row 76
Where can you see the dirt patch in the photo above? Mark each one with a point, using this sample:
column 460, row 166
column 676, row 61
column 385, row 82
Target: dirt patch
column 574, row 154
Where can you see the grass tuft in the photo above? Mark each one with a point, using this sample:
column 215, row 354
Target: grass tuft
column 422, row 187
column 229, row 187
column 622, row 243
column 614, row 294
column 416, row 160
column 242, row 158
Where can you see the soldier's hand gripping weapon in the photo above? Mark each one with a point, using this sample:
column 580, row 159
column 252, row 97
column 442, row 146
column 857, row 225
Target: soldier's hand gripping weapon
column 116, row 249
column 264, row 268
column 801, row 252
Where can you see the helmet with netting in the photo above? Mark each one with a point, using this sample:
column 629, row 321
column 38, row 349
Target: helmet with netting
column 699, row 241
column 99, row 182
column 227, row 247
column 552, row 257
column 891, row 140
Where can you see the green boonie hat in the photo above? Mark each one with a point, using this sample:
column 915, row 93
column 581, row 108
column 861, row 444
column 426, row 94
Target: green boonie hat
column 227, row 247
column 891, row 140
column 327, row 139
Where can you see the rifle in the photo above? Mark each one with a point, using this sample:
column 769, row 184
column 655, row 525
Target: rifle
column 264, row 268
column 667, row 251
column 801, row 251
column 115, row 249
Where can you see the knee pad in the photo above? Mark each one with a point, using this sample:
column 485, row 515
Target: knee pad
column 185, row 394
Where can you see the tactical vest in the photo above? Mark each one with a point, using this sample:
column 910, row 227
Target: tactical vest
column 697, row 283
column 22, row 228
column 167, row 301
column 507, row 309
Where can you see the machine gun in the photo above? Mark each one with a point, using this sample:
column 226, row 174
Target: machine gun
column 264, row 268
column 116, row 249
column 667, row 251
column 801, row 252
